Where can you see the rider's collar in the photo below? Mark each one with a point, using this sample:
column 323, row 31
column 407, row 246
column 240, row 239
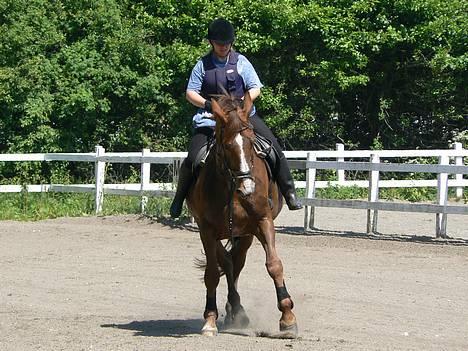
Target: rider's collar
column 219, row 62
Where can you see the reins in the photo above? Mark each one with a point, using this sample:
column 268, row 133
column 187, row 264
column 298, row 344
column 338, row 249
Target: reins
column 234, row 177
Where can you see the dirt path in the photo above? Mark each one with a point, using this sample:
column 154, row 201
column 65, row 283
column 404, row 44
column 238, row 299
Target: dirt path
column 129, row 283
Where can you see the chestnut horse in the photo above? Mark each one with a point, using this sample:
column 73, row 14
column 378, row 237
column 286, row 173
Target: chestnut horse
column 233, row 198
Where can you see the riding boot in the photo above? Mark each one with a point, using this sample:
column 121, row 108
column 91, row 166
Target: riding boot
column 286, row 184
column 183, row 185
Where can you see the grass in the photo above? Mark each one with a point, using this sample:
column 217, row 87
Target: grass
column 403, row 194
column 36, row 206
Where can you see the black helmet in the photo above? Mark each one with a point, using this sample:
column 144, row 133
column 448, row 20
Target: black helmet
column 221, row 30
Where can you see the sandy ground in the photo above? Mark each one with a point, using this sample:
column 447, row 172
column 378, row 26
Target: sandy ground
column 129, row 283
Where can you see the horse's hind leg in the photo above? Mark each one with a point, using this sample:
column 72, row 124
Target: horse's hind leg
column 239, row 255
column 211, row 279
column 232, row 264
column 266, row 236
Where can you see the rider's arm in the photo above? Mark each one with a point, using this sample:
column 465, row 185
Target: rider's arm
column 195, row 98
column 192, row 94
column 254, row 93
column 250, row 77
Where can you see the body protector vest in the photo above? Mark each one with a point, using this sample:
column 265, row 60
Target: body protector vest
column 218, row 78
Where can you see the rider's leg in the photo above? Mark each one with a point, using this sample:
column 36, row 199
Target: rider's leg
column 200, row 137
column 183, row 185
column 282, row 172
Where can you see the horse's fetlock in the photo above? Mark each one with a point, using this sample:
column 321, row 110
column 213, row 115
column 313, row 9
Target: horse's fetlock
column 208, row 314
column 286, row 304
column 234, row 299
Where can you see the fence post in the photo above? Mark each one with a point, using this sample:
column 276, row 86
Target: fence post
column 341, row 172
column 459, row 176
column 99, row 175
column 309, row 211
column 373, row 196
column 442, row 190
column 175, row 172
column 145, row 180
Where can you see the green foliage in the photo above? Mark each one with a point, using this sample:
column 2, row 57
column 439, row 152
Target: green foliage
column 342, row 193
column 37, row 206
column 26, row 206
column 403, row 194
column 369, row 73
column 409, row 194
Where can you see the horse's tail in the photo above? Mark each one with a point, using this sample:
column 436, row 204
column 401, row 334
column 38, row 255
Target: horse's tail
column 200, row 262
column 223, row 255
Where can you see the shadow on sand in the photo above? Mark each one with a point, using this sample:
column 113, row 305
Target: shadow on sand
column 420, row 239
column 179, row 328
column 185, row 224
column 176, row 328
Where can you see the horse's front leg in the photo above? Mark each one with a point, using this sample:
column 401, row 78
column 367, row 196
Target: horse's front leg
column 211, row 279
column 266, row 236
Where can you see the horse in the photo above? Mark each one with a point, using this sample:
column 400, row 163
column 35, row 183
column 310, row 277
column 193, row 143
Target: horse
column 234, row 198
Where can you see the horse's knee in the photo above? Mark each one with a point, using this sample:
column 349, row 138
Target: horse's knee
column 274, row 268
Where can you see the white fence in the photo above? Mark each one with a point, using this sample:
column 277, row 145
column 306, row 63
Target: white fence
column 305, row 160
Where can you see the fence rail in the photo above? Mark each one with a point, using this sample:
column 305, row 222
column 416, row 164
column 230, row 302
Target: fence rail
column 301, row 160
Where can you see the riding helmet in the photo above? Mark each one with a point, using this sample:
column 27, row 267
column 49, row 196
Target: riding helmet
column 221, row 30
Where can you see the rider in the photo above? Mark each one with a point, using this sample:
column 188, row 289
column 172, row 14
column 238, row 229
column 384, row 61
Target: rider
column 223, row 69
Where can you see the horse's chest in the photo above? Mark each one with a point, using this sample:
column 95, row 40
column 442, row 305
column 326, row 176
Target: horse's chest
column 236, row 223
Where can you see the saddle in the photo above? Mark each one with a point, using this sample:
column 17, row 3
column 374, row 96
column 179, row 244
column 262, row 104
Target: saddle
column 263, row 147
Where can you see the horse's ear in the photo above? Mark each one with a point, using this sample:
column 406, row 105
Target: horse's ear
column 247, row 104
column 218, row 112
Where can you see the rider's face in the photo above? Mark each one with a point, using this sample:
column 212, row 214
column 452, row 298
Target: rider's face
column 220, row 49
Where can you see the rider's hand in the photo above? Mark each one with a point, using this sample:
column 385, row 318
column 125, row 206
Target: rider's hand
column 208, row 106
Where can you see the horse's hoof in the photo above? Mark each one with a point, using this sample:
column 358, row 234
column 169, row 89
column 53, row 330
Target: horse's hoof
column 236, row 320
column 227, row 322
column 241, row 320
column 288, row 331
column 209, row 331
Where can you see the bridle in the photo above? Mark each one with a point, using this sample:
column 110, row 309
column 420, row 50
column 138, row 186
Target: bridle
column 235, row 175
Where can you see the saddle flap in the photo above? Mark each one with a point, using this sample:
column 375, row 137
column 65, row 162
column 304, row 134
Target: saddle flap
column 203, row 153
column 262, row 146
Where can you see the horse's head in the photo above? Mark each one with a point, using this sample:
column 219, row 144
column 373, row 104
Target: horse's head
column 235, row 139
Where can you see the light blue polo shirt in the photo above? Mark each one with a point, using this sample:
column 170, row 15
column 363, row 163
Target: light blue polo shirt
column 245, row 70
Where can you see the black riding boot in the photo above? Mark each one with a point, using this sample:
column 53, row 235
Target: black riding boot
column 286, row 184
column 183, row 186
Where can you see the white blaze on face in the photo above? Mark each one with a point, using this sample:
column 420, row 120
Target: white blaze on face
column 248, row 183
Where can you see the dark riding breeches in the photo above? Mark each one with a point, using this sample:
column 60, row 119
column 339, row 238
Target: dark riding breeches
column 200, row 137
column 261, row 128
